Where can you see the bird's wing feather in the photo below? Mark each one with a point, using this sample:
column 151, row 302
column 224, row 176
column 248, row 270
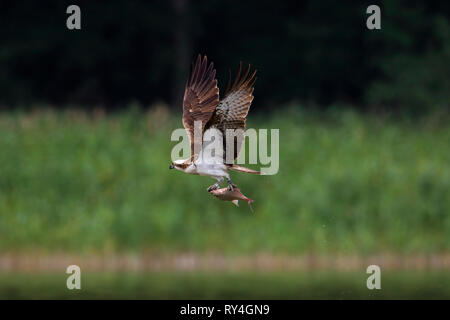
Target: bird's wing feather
column 232, row 110
column 201, row 98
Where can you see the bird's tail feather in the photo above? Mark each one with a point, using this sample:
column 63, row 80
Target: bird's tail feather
column 236, row 167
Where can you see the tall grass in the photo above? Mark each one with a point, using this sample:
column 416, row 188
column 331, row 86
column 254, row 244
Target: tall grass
column 347, row 183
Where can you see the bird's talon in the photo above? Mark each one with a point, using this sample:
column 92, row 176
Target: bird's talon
column 213, row 187
column 231, row 186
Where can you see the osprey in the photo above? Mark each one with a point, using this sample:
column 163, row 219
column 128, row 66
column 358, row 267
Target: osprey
column 203, row 111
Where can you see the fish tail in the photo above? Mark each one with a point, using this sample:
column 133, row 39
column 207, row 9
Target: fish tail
column 249, row 201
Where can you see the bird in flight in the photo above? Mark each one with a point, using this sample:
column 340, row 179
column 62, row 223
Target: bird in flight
column 204, row 111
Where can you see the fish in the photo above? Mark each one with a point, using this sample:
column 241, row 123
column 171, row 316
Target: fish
column 234, row 196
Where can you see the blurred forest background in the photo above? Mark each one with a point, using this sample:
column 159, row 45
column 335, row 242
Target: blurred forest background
column 315, row 52
column 85, row 124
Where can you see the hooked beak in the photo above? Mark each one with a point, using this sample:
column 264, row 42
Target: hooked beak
column 171, row 166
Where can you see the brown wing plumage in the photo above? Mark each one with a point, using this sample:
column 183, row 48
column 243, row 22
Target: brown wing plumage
column 201, row 98
column 232, row 110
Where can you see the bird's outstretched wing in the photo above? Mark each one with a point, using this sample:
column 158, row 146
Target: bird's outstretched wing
column 201, row 98
column 232, row 110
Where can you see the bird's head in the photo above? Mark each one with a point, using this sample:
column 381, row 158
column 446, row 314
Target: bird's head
column 179, row 165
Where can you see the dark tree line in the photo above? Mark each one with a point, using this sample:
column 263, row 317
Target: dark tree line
column 313, row 52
